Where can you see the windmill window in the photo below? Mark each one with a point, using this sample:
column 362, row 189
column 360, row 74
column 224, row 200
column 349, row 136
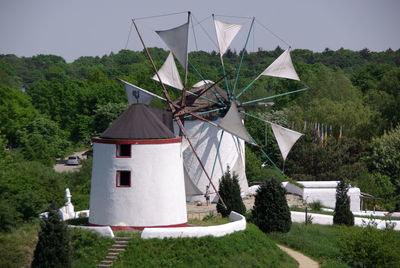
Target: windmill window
column 123, row 178
column 124, row 150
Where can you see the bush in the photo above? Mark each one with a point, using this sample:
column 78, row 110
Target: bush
column 52, row 249
column 316, row 206
column 369, row 247
column 271, row 212
column 229, row 190
column 342, row 214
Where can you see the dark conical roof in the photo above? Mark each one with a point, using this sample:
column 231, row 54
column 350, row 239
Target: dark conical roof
column 140, row 122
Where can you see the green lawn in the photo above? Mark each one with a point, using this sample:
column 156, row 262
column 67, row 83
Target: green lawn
column 316, row 241
column 250, row 248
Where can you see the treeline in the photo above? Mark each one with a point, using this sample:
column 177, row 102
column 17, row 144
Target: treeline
column 48, row 107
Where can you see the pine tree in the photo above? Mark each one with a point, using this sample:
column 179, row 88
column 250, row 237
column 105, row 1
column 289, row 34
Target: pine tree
column 342, row 214
column 271, row 212
column 229, row 190
column 52, row 249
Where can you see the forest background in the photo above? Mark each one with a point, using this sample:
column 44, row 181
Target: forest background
column 49, row 108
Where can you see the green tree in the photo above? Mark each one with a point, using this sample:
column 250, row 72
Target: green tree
column 342, row 213
column 229, row 190
column 43, row 141
column 271, row 212
column 53, row 247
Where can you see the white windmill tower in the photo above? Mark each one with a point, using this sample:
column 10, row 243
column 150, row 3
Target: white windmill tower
column 137, row 176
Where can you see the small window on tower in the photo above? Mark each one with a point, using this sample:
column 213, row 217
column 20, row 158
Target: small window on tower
column 123, row 150
column 123, row 178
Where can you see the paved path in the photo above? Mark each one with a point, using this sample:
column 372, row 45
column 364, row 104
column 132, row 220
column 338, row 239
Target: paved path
column 304, row 261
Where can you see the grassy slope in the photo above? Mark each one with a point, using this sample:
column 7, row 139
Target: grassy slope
column 250, row 248
column 16, row 248
column 317, row 241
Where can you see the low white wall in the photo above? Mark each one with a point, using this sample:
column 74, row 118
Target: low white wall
column 102, row 230
column 238, row 223
column 328, row 220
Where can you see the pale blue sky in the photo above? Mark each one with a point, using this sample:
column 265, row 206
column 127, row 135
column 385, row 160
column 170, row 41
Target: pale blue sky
column 74, row 28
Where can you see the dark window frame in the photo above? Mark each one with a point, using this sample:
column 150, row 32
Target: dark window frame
column 118, row 180
column 118, row 151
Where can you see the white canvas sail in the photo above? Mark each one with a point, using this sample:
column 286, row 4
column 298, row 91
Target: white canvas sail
column 177, row 41
column 137, row 94
column 226, row 32
column 282, row 67
column 232, row 123
column 286, row 138
column 169, row 73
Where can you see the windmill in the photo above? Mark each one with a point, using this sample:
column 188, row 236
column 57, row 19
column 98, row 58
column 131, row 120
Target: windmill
column 210, row 118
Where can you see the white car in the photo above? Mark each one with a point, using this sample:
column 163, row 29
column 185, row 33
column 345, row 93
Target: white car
column 73, row 160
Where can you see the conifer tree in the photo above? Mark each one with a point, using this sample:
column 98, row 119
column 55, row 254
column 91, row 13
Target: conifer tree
column 52, row 249
column 271, row 212
column 342, row 213
column 229, row 190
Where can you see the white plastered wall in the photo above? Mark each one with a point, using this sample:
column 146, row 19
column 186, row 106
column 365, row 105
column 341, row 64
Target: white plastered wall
column 205, row 139
column 157, row 193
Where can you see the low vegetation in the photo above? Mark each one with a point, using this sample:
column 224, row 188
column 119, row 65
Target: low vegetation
column 250, row 248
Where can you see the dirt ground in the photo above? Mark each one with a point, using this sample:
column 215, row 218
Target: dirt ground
column 61, row 165
column 198, row 211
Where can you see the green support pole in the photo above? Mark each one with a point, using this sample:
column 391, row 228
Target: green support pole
column 216, row 156
column 213, row 91
column 206, row 112
column 275, row 96
column 246, row 88
column 241, row 59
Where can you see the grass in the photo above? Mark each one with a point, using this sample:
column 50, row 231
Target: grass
column 250, row 248
column 16, row 247
column 317, row 241
column 387, row 218
column 207, row 221
column 88, row 248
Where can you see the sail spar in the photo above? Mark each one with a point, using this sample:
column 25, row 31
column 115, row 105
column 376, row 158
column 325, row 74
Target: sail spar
column 137, row 94
column 226, row 32
column 169, row 73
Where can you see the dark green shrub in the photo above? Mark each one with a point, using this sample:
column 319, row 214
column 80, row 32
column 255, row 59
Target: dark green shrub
column 53, row 248
column 369, row 247
column 342, row 214
column 271, row 212
column 316, row 206
column 229, row 190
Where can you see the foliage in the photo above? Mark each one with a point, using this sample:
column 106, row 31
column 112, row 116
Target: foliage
column 53, row 247
column 249, row 248
column 271, row 212
column 320, row 242
column 88, row 247
column 369, row 247
column 229, row 190
column 316, row 206
column 43, row 141
column 342, row 213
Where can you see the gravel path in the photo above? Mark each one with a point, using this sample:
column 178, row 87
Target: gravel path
column 304, row 261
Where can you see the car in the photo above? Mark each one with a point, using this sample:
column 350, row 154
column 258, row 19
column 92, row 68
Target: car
column 73, row 160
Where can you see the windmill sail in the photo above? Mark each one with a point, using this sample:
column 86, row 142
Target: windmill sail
column 286, row 138
column 282, row 67
column 169, row 73
column 232, row 123
column 137, row 94
column 226, row 32
column 177, row 41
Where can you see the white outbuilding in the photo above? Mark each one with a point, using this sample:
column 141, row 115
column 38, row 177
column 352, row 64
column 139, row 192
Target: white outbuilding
column 324, row 192
column 137, row 176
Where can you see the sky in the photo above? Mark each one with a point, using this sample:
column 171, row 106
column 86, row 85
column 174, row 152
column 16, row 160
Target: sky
column 75, row 28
